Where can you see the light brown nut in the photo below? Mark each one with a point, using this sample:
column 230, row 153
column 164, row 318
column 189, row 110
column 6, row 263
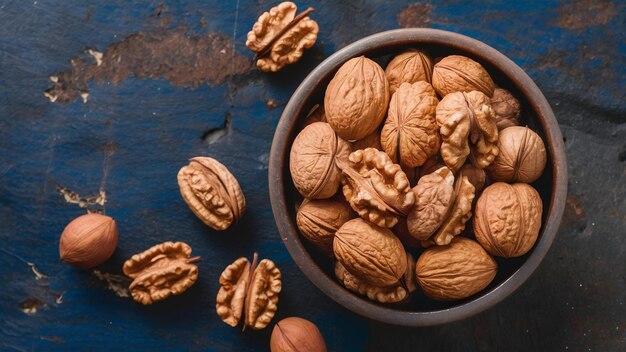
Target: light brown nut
column 434, row 200
column 161, row 271
column 312, row 161
column 467, row 125
column 356, row 98
column 457, row 73
column 373, row 254
column 508, row 219
column 410, row 133
column 372, row 140
column 279, row 36
column 318, row 220
column 249, row 291
column 506, row 108
column 461, row 212
column 410, row 67
column 88, row 241
column 455, row 271
column 296, row 334
column 389, row 294
column 211, row 192
column 475, row 175
column 522, row 156
column 376, row 188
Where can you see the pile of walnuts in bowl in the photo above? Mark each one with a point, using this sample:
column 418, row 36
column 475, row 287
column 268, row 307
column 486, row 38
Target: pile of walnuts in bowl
column 417, row 175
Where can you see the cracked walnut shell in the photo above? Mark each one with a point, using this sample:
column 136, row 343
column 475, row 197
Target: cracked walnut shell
column 250, row 290
column 372, row 254
column 376, row 188
column 457, row 73
column 279, row 37
column 410, row 134
column 455, row 271
column 312, row 161
column 356, row 98
column 410, row 67
column 161, row 271
column 522, row 156
column 319, row 219
column 506, row 108
column 508, row 219
column 468, row 128
column 211, row 192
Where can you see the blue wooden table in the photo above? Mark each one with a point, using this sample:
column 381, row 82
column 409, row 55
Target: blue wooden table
column 113, row 141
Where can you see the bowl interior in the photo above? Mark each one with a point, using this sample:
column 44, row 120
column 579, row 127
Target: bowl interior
column 419, row 310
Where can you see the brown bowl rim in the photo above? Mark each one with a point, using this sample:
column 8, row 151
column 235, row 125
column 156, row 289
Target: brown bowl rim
column 280, row 149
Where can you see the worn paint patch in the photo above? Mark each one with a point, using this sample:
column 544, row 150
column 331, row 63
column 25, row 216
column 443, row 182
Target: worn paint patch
column 213, row 135
column 72, row 197
column 116, row 283
column 574, row 212
column 185, row 59
column 31, row 305
column 585, row 13
column 415, row 15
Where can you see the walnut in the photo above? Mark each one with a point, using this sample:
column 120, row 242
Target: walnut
column 455, row 271
column 461, row 212
column 318, row 220
column 375, row 187
column 279, row 36
column 506, row 107
column 312, row 161
column 410, row 134
column 356, row 98
column 401, row 231
column 410, row 67
column 296, row 334
column 161, row 271
column 389, row 294
column 211, row 192
column 457, row 73
column 250, row 290
column 372, row 254
column 372, row 140
column 508, row 219
column 475, row 175
column 522, row 156
column 467, row 125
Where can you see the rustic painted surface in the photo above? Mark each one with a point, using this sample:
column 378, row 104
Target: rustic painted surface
column 146, row 115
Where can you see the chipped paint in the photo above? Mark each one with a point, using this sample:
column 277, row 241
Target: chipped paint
column 72, row 197
column 31, row 305
column 415, row 15
column 38, row 274
column 585, row 13
column 116, row 283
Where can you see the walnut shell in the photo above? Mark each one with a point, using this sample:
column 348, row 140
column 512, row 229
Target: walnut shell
column 296, row 334
column 372, row 254
column 455, row 271
column 508, row 219
column 457, row 73
column 475, row 175
column 410, row 67
column 318, row 220
column 410, row 133
column 461, row 211
column 389, row 294
column 434, row 198
column 312, row 161
column 522, row 156
column 377, row 189
column 356, row 98
column 506, row 107
column 211, row 192
column 467, row 125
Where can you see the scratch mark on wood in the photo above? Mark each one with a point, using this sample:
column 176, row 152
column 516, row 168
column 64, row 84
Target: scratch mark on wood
column 213, row 135
column 116, row 283
column 38, row 274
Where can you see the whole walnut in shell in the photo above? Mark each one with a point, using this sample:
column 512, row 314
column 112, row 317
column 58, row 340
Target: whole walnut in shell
column 468, row 128
column 457, row 73
column 312, row 161
column 410, row 133
column 295, row 334
column 356, row 98
column 455, row 271
column 506, row 107
column 508, row 219
column 376, row 188
column 319, row 219
column 522, row 156
column 410, row 67
column 372, row 254
column 88, row 241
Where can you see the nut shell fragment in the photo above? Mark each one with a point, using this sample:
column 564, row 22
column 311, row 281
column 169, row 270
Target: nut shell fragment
column 410, row 67
column 522, row 156
column 457, row 73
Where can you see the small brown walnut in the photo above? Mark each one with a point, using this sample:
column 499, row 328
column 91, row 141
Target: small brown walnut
column 356, row 98
column 506, row 107
column 372, row 254
column 457, row 73
column 508, row 219
column 372, row 140
column 318, row 220
column 468, row 128
column 279, row 37
column 410, row 67
column 295, row 334
column 455, row 271
column 410, row 133
column 211, row 192
column 522, row 156
column 312, row 161
column 249, row 291
column 376, row 188
column 475, row 175
column 161, row 271
column 434, row 198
